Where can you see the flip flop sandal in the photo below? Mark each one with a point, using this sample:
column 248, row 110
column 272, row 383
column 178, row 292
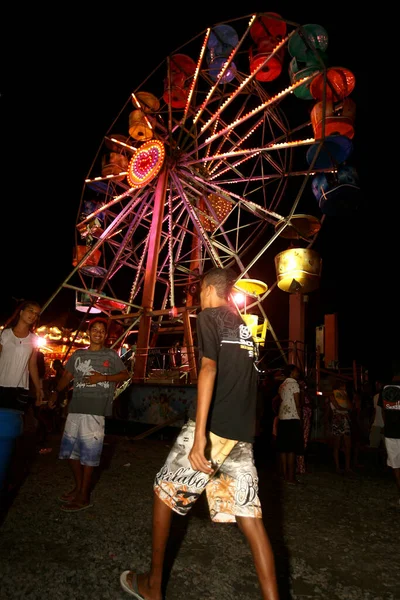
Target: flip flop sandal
column 134, row 590
column 64, row 500
column 74, row 507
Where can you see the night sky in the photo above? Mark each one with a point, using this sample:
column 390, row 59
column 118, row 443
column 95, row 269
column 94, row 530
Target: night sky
column 69, row 77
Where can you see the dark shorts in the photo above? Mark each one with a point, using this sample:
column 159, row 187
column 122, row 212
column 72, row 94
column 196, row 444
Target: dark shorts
column 290, row 436
column 16, row 398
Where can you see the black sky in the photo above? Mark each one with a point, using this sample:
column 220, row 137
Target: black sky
column 69, row 76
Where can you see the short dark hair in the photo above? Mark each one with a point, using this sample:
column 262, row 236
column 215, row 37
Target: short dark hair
column 289, row 368
column 98, row 320
column 222, row 279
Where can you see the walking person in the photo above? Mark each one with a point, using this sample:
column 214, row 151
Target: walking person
column 289, row 438
column 341, row 429
column 95, row 371
column 214, row 450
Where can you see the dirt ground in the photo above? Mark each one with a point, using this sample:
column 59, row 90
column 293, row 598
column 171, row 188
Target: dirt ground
column 334, row 537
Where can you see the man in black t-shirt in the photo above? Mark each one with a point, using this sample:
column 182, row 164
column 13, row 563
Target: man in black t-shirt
column 214, row 450
column 390, row 404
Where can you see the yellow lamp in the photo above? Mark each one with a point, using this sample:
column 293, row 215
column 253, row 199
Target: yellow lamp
column 254, row 287
column 258, row 332
column 298, row 270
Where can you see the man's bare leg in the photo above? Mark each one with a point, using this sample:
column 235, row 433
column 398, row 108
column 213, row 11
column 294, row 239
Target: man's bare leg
column 263, row 557
column 396, row 473
column 80, row 495
column 149, row 584
column 76, row 469
column 83, row 495
column 291, row 470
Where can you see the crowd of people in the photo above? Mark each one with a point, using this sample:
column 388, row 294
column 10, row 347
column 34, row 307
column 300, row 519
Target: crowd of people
column 214, row 451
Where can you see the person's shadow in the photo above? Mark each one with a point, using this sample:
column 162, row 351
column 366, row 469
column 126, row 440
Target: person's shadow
column 271, row 498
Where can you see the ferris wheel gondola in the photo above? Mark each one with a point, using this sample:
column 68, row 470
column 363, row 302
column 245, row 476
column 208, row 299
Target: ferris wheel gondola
column 210, row 162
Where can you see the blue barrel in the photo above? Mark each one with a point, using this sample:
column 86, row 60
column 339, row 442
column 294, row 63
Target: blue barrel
column 222, row 41
column 11, row 425
column 335, row 150
column 338, row 194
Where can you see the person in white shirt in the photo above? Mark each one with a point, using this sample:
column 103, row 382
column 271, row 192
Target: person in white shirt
column 18, row 364
column 18, row 358
column 290, row 440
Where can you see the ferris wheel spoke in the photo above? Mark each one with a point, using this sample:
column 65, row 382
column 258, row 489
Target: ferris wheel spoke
column 211, row 171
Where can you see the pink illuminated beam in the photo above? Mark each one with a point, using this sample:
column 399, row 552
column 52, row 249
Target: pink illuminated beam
column 246, row 81
column 252, row 151
column 222, row 72
column 258, row 109
column 196, row 75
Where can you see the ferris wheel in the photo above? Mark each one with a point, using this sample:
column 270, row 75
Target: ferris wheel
column 239, row 138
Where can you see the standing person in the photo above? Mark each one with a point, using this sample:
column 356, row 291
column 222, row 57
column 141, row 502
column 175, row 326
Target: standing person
column 42, row 413
column 95, row 372
column 356, row 435
column 214, row 449
column 60, row 406
column 341, row 430
column 390, row 404
column 18, row 358
column 289, row 439
column 376, row 435
column 306, row 408
column 18, row 363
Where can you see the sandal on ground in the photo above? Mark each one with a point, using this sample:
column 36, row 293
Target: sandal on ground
column 72, row 507
column 133, row 589
column 66, row 498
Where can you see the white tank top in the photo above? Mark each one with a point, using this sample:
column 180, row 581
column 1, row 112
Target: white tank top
column 14, row 358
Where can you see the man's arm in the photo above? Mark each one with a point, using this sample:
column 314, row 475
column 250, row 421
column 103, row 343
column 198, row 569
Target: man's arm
column 205, row 388
column 97, row 377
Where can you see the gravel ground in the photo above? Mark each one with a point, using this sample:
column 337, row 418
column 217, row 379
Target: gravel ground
column 334, row 537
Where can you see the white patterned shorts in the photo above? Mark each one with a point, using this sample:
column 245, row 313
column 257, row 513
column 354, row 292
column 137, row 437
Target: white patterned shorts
column 231, row 491
column 393, row 452
column 83, row 439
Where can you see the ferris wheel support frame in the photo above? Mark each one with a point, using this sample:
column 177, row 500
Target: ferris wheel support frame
column 150, row 277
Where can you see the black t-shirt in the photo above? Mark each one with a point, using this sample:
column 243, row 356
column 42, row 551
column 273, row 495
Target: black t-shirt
column 390, row 403
column 225, row 338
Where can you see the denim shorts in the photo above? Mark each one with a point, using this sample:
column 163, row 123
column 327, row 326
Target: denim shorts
column 83, row 439
column 231, row 491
